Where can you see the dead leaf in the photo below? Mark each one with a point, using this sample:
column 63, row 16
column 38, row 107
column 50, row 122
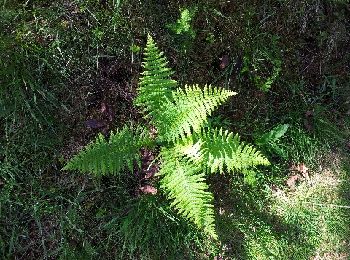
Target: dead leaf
column 107, row 111
column 221, row 211
column 275, row 189
column 300, row 168
column 308, row 120
column 153, row 132
column 103, row 107
column 149, row 173
column 94, row 124
column 292, row 181
column 224, row 61
column 303, row 170
column 148, row 189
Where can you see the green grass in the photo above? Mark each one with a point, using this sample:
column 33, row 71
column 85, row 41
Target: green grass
column 271, row 222
column 61, row 61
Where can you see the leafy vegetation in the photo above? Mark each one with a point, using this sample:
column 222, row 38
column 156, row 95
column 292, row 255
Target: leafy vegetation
column 70, row 73
column 179, row 117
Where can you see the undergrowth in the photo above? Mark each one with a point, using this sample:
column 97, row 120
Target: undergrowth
column 69, row 69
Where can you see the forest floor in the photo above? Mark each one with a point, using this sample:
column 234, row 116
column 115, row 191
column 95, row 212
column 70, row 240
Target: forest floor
column 70, row 69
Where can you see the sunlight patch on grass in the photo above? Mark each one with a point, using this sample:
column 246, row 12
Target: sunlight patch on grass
column 317, row 207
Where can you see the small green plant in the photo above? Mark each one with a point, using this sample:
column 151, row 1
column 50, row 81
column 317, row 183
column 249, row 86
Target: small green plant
column 135, row 48
column 182, row 30
column 258, row 68
column 262, row 65
column 270, row 140
column 183, row 24
column 189, row 148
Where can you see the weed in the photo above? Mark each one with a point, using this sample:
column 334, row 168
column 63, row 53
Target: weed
column 270, row 141
column 263, row 66
column 183, row 24
column 183, row 28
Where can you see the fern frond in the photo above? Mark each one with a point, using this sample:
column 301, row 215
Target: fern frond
column 155, row 85
column 223, row 149
column 175, row 113
column 218, row 150
column 111, row 156
column 188, row 191
column 188, row 110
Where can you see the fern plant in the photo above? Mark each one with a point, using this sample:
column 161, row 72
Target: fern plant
column 190, row 150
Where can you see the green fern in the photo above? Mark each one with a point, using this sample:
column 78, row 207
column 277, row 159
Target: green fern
column 185, row 185
column 175, row 113
column 189, row 150
column 187, row 111
column 218, row 150
column 223, row 149
column 155, row 85
column 111, row 156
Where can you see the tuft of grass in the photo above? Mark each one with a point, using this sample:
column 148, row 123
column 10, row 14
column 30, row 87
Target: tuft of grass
column 161, row 233
column 274, row 222
column 318, row 207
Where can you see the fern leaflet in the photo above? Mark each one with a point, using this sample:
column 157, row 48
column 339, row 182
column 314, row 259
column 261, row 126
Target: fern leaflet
column 111, row 156
column 155, row 84
column 188, row 110
column 219, row 150
column 188, row 191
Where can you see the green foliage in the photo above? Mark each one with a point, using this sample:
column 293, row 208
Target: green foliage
column 189, row 149
column 324, row 129
column 183, row 24
column 155, row 83
column 175, row 113
column 273, row 136
column 217, row 150
column 188, row 110
column 261, row 64
column 153, row 230
column 302, row 146
column 69, row 52
column 270, row 141
column 111, row 156
column 182, row 30
column 135, row 48
column 184, row 184
column 223, row 149
column 22, row 89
